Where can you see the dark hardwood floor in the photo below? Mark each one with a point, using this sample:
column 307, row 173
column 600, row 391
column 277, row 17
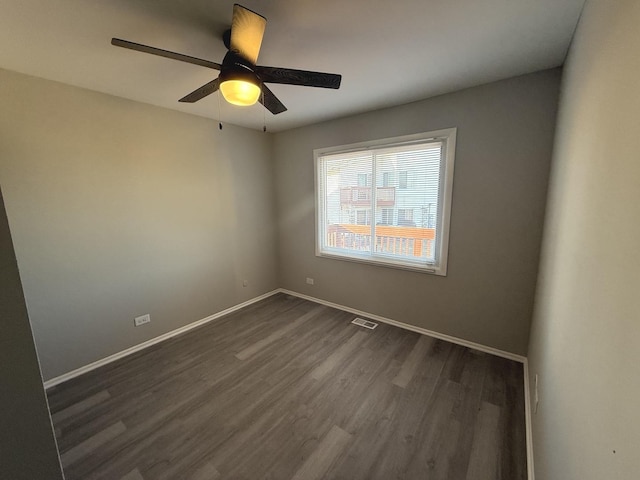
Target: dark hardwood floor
column 289, row 389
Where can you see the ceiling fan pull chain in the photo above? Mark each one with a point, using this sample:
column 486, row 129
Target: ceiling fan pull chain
column 264, row 114
column 219, row 122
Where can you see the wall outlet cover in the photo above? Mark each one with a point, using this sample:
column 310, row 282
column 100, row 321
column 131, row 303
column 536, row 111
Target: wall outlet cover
column 141, row 320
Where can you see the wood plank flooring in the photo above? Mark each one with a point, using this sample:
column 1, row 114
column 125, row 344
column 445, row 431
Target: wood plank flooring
column 289, row 389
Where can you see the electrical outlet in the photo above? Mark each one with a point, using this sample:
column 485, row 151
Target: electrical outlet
column 535, row 394
column 245, row 283
column 309, row 281
column 141, row 320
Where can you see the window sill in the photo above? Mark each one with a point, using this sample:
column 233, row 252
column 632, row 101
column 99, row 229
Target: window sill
column 383, row 262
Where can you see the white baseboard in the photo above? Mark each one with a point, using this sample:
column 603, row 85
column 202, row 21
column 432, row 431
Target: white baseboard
column 413, row 328
column 141, row 346
column 528, row 420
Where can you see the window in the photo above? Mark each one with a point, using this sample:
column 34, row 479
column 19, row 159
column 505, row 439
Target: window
column 363, row 216
column 402, row 179
column 405, row 217
column 363, row 179
column 387, row 216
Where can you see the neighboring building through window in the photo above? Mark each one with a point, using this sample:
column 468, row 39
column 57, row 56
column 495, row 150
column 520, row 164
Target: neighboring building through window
column 403, row 224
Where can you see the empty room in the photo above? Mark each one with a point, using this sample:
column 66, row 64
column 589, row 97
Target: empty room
column 320, row 240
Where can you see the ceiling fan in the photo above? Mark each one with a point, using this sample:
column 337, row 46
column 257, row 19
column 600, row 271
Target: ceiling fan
column 241, row 81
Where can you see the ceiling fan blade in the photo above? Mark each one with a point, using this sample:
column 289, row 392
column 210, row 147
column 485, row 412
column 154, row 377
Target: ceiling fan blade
column 203, row 91
column 247, row 30
column 271, row 102
column 164, row 53
column 298, row 77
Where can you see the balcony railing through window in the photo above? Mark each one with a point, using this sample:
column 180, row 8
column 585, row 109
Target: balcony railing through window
column 407, row 241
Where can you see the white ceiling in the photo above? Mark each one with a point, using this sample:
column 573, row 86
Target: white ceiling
column 388, row 52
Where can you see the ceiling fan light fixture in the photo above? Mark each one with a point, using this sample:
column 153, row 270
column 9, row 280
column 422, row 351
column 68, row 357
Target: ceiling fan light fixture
column 240, row 87
column 240, row 92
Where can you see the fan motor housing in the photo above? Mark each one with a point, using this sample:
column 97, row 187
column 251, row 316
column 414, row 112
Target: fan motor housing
column 234, row 67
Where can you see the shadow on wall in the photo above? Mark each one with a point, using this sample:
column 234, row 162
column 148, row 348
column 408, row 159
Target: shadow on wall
column 27, row 443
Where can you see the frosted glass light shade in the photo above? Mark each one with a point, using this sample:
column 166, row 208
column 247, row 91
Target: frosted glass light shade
column 240, row 92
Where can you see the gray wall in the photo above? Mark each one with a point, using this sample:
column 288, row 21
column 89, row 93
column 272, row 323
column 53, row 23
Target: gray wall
column 585, row 340
column 504, row 145
column 27, row 444
column 118, row 209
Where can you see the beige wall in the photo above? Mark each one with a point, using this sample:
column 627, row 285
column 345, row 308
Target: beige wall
column 585, row 342
column 27, row 445
column 504, row 143
column 118, row 209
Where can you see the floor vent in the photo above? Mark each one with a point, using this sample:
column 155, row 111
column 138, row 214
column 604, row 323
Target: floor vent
column 364, row 323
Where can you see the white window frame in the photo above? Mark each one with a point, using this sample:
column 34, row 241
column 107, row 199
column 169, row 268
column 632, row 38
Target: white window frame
column 439, row 267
